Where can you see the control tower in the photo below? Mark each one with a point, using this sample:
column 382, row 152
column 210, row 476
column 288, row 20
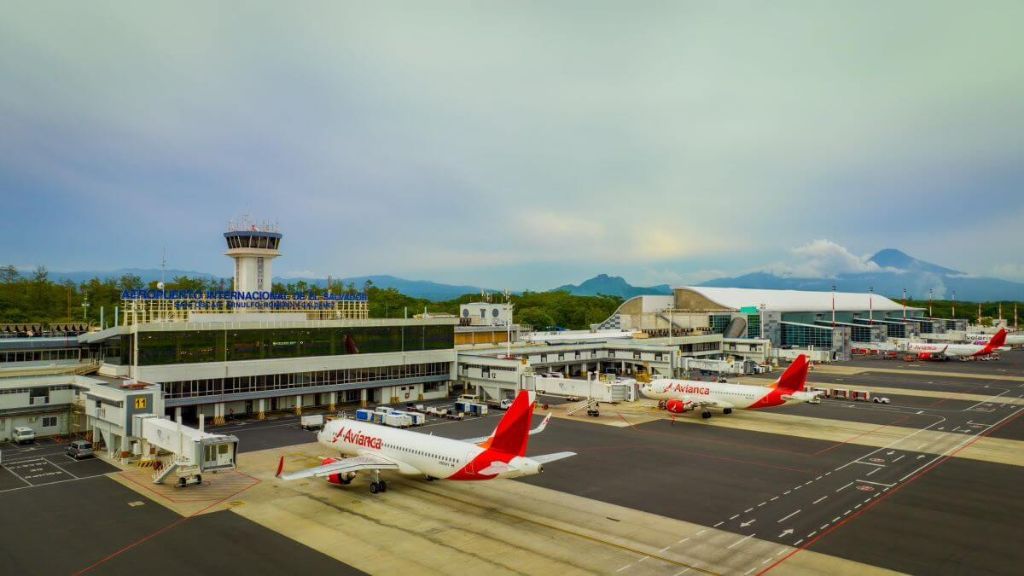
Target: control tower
column 253, row 247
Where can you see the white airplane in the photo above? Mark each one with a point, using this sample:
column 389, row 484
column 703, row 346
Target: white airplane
column 365, row 446
column 683, row 395
column 1015, row 339
column 931, row 351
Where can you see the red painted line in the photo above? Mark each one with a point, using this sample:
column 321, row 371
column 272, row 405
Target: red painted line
column 152, row 535
column 886, row 495
column 852, row 438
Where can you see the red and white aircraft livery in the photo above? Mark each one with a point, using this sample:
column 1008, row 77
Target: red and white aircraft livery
column 365, row 446
column 930, row 351
column 683, row 395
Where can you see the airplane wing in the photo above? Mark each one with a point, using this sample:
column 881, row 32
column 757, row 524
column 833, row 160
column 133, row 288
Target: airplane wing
column 353, row 464
column 712, row 403
column 540, row 428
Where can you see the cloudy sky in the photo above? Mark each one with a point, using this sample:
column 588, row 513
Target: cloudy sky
column 514, row 144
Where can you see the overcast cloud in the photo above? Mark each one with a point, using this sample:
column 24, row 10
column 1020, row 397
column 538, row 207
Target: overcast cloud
column 513, row 144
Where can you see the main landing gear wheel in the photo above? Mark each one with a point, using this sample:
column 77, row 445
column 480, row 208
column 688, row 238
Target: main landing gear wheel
column 378, row 487
column 373, row 488
column 727, row 411
column 705, row 414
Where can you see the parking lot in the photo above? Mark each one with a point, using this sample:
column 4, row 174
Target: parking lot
column 44, row 462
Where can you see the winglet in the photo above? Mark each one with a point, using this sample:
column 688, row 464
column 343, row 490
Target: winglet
column 280, row 467
column 544, row 424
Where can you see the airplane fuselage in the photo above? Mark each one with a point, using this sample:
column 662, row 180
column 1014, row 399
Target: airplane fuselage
column 739, row 396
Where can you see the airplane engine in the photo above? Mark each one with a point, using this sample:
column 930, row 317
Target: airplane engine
column 340, row 479
column 678, row 406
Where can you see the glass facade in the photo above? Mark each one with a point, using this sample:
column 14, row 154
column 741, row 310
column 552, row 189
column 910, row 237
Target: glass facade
column 803, row 335
column 858, row 332
column 892, row 329
column 719, row 322
column 193, row 346
column 286, row 382
column 753, row 325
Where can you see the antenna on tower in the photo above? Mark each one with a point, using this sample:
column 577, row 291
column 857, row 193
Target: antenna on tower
column 163, row 268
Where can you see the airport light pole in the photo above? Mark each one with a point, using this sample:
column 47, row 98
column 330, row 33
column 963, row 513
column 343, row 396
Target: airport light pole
column 953, row 312
column 871, row 305
column 904, row 303
column 929, row 302
column 833, row 306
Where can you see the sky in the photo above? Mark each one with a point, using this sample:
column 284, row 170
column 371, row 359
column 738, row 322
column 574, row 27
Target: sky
column 514, row 144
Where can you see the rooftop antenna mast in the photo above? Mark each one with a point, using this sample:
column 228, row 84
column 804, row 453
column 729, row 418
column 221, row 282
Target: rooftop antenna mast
column 163, row 267
column 508, row 325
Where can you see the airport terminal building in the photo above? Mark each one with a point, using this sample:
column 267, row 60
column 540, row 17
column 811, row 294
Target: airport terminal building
column 787, row 318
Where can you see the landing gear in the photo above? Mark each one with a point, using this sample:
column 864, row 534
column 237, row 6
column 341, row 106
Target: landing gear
column 726, row 410
column 705, row 414
column 377, row 485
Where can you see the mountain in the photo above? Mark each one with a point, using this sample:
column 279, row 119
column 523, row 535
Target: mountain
column 893, row 258
column 416, row 288
column 897, row 270
column 612, row 286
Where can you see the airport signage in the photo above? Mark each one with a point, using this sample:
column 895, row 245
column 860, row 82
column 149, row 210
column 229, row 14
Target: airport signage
column 235, row 295
column 233, row 300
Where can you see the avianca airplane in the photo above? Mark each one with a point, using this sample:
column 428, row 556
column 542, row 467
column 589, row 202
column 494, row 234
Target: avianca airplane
column 930, row 351
column 365, row 446
column 1015, row 339
column 683, row 395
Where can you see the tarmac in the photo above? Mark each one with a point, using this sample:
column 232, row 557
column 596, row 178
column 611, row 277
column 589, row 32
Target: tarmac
column 926, row 484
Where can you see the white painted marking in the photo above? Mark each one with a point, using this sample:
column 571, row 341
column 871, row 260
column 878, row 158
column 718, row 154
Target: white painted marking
column 740, row 541
column 818, row 478
column 920, row 412
column 748, row 510
column 774, row 498
column 683, row 540
column 719, row 524
column 819, row 499
column 823, row 526
column 836, row 519
column 872, row 471
column 847, row 512
column 762, row 503
column 749, row 571
column 870, row 464
column 798, row 487
column 844, row 486
column 827, row 473
column 702, row 531
column 683, row 571
column 787, row 492
column 766, row 560
column 734, row 516
column 857, row 506
column 812, row 534
column 787, row 517
column 665, row 548
column 875, row 483
column 797, row 543
column 898, row 458
column 809, row 481
column 624, row 567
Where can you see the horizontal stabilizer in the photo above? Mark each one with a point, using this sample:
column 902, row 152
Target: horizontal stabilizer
column 545, row 458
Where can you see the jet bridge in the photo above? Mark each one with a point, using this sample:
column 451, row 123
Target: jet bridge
column 194, row 451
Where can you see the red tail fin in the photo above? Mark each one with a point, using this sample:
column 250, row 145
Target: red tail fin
column 280, row 467
column 997, row 341
column 514, row 429
column 794, row 376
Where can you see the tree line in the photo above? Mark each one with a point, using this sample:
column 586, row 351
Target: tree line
column 35, row 298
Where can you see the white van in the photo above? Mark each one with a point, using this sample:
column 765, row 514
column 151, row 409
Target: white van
column 23, row 435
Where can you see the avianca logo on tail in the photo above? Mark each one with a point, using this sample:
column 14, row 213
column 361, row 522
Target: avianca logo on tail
column 688, row 389
column 357, row 438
